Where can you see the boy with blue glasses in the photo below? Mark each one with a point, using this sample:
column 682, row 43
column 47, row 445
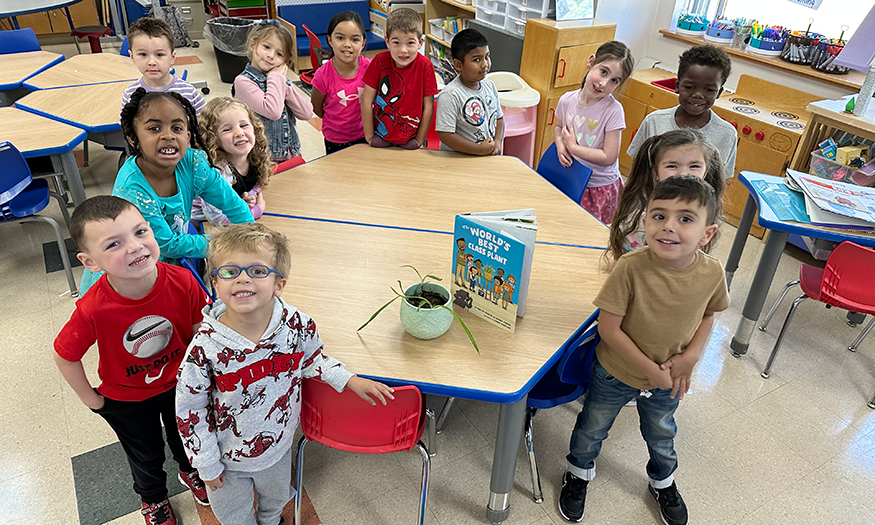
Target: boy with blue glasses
column 238, row 398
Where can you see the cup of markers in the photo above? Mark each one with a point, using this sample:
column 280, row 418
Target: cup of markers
column 824, row 55
column 720, row 32
column 691, row 24
column 767, row 40
column 800, row 47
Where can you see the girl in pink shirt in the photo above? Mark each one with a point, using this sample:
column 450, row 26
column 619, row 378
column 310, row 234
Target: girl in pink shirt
column 590, row 125
column 338, row 84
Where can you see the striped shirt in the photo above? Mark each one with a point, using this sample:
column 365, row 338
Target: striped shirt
column 178, row 85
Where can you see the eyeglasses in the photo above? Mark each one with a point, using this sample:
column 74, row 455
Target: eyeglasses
column 255, row 271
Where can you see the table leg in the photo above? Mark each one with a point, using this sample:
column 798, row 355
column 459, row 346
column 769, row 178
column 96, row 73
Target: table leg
column 72, row 176
column 741, row 235
column 511, row 419
column 759, row 288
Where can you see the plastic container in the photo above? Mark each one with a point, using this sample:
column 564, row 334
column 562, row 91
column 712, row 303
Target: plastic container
column 496, row 6
column 515, row 26
column 492, row 18
column 524, row 13
column 829, row 169
column 721, row 37
column 437, row 28
column 228, row 36
column 799, row 49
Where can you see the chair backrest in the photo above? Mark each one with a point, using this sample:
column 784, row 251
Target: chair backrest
column 125, row 50
column 346, row 422
column 195, row 267
column 288, row 164
column 316, row 50
column 847, row 271
column 568, row 379
column 15, row 175
column 570, row 181
column 18, row 41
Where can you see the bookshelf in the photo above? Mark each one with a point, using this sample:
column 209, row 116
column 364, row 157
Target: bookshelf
column 443, row 9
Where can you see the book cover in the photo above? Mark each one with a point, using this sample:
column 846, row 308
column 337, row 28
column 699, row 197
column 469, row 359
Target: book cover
column 836, row 204
column 492, row 261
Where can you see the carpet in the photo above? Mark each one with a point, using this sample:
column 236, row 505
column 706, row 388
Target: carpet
column 186, row 61
column 53, row 257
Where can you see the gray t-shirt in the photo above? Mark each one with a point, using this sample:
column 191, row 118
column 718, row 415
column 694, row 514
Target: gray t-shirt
column 719, row 133
column 470, row 113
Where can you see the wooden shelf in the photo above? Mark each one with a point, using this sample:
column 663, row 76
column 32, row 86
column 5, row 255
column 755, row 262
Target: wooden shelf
column 438, row 40
column 852, row 81
column 465, row 7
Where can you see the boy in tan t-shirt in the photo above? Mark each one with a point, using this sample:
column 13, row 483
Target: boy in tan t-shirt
column 657, row 310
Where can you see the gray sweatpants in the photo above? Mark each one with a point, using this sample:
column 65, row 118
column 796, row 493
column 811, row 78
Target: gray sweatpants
column 232, row 504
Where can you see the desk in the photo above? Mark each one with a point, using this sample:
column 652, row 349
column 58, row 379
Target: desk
column 16, row 67
column 355, row 216
column 772, row 251
column 79, row 70
column 37, row 136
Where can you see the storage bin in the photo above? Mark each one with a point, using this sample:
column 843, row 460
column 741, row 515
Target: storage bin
column 496, row 6
column 492, row 18
column 537, row 5
column 829, row 169
column 437, row 28
column 515, row 26
column 520, row 11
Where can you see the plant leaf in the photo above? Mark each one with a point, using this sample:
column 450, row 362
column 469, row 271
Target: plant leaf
column 461, row 322
column 380, row 310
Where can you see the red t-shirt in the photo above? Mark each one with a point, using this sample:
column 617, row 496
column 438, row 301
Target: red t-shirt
column 141, row 342
column 398, row 105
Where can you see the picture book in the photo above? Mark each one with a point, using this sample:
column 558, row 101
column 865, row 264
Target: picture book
column 492, row 261
column 836, row 204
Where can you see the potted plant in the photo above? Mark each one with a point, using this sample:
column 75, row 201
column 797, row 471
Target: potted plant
column 426, row 311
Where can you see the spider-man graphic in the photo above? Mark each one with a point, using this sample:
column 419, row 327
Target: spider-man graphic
column 386, row 116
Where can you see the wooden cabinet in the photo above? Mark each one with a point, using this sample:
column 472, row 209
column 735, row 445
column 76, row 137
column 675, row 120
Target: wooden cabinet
column 554, row 62
column 55, row 21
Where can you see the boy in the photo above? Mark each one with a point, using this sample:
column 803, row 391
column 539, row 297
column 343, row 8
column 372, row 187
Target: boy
column 469, row 117
column 398, row 100
column 152, row 51
column 702, row 71
column 142, row 314
column 239, row 391
column 657, row 310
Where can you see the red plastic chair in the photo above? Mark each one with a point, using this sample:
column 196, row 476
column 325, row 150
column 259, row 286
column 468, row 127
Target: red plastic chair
column 318, row 56
column 841, row 284
column 345, row 422
column 288, row 164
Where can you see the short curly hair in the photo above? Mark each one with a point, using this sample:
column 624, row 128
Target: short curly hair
column 706, row 55
column 259, row 156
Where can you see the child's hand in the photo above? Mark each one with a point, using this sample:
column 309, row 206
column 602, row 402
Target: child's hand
column 97, row 404
column 215, row 483
column 496, row 150
column 568, row 137
column 366, row 388
column 661, row 378
column 487, row 147
column 681, row 369
column 564, row 157
column 282, row 68
column 249, row 198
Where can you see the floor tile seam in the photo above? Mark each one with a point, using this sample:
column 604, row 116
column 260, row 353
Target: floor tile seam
column 691, row 433
column 817, row 400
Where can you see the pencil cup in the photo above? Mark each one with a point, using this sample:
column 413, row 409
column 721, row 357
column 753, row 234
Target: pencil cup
column 741, row 37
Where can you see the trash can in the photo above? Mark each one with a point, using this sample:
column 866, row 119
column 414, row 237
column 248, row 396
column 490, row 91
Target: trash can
column 228, row 35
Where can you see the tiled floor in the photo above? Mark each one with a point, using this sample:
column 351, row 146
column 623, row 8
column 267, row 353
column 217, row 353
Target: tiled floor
column 798, row 448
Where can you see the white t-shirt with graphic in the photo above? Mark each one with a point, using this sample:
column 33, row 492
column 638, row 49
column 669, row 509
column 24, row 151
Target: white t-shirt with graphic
column 472, row 114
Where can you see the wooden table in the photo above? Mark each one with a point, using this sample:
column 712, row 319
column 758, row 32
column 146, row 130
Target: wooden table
column 16, row 67
column 355, row 216
column 37, row 136
column 79, row 70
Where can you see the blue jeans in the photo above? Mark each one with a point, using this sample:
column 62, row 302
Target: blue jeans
column 604, row 400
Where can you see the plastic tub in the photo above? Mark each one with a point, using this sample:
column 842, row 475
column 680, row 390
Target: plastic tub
column 829, row 169
column 493, row 18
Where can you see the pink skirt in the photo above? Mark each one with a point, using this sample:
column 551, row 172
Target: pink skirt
column 602, row 201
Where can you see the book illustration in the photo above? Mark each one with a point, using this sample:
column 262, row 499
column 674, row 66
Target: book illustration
column 836, row 204
column 491, row 264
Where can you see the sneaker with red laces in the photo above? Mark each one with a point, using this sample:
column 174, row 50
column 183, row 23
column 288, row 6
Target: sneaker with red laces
column 194, row 482
column 159, row 513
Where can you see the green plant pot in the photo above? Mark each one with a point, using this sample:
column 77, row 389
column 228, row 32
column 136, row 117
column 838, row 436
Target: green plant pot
column 426, row 323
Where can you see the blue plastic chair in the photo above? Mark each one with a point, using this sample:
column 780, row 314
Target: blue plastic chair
column 18, row 41
column 196, row 266
column 571, row 181
column 22, row 197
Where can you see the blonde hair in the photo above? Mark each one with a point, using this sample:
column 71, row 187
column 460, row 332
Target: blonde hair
column 266, row 29
column 210, row 118
column 250, row 238
column 404, row 20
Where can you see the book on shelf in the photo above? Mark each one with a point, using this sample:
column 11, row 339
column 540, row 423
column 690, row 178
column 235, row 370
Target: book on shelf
column 835, row 204
column 492, row 262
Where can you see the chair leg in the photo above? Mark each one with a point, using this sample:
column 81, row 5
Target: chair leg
column 448, row 404
column 778, row 301
column 863, row 334
column 59, row 237
column 63, row 204
column 432, row 434
column 533, row 464
column 872, row 402
column 767, row 370
column 423, row 496
column 299, row 476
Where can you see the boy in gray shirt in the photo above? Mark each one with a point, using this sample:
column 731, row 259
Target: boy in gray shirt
column 468, row 115
column 702, row 71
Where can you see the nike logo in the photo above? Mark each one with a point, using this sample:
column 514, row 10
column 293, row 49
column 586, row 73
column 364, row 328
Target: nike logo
column 131, row 336
column 149, row 379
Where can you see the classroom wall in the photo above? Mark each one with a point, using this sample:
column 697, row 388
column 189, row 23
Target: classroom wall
column 638, row 24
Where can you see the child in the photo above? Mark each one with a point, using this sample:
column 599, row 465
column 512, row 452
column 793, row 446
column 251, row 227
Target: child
column 590, row 122
column 142, row 314
column 461, row 258
column 681, row 152
column 239, row 390
column 263, row 87
column 237, row 146
column 507, row 296
column 702, row 71
column 398, row 101
column 469, row 117
column 657, row 310
column 151, row 42
column 338, row 83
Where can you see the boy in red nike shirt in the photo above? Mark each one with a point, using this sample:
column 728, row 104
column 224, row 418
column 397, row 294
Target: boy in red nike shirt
column 142, row 314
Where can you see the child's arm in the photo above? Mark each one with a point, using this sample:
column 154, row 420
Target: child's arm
column 425, row 122
column 367, row 101
column 301, row 108
column 610, row 331
column 561, row 150
column 499, row 137
column 366, row 388
column 212, row 188
column 74, row 375
column 681, row 365
column 269, row 104
column 446, row 116
column 459, row 143
column 317, row 98
column 602, row 157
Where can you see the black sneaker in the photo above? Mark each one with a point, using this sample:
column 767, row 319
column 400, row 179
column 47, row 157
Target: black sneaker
column 573, row 497
column 671, row 505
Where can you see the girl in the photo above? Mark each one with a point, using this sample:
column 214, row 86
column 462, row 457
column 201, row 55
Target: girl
column 682, row 152
column 237, row 146
column 590, row 124
column 263, row 87
column 337, row 84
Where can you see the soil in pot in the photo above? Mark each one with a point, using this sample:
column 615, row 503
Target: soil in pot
column 433, row 297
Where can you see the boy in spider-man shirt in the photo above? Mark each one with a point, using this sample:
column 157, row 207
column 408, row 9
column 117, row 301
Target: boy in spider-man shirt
column 398, row 101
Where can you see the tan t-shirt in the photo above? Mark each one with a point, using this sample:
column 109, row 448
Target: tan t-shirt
column 662, row 307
